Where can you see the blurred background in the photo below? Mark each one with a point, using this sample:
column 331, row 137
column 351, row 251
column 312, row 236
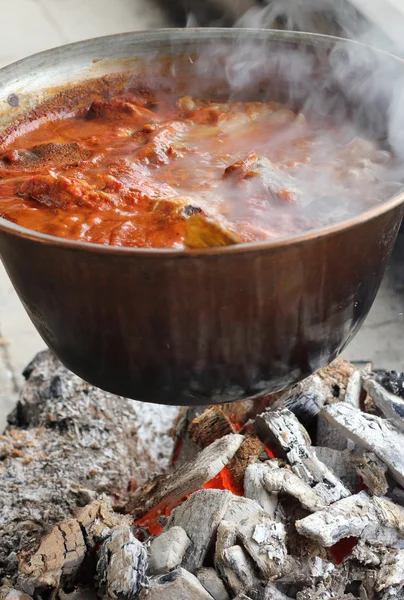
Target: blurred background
column 29, row 26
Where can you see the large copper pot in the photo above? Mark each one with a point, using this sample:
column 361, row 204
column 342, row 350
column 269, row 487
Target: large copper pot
column 213, row 325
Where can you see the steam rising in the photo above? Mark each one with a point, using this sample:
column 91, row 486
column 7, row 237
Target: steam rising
column 355, row 87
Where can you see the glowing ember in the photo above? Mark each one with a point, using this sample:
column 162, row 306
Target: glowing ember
column 343, row 548
column 225, row 480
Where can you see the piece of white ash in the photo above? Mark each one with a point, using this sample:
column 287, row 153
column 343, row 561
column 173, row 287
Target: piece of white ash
column 372, row 519
column 283, row 430
column 371, row 432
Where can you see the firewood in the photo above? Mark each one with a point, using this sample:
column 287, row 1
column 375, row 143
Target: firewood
column 176, row 585
column 121, row 566
column 283, row 481
column 211, row 425
column 167, row 550
column 373, row 519
column 212, row 583
column 188, row 478
column 209, row 506
column 372, row 433
column 390, row 405
column 283, row 429
column 372, row 471
column 254, row 488
column 68, row 443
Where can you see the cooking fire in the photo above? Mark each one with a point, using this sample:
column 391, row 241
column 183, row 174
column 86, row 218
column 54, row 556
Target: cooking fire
column 297, row 495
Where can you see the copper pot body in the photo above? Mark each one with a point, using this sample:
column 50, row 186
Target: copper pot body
column 194, row 327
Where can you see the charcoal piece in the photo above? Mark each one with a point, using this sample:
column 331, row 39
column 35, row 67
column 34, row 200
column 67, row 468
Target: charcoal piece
column 390, row 405
column 339, row 463
column 372, row 471
column 58, row 556
column 372, row 519
column 121, row 566
column 188, row 478
column 282, row 429
column 393, row 382
column 284, row 481
column 177, row 585
column 212, row 583
column 371, row 433
column 304, row 400
column 9, row 593
column 254, row 488
column 211, row 425
column 167, row 551
column 210, row 507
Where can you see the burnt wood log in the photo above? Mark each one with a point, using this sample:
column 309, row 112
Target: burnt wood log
column 284, row 430
column 188, row 478
column 66, row 444
column 372, row 433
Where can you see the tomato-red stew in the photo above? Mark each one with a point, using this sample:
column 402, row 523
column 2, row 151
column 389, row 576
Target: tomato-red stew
column 185, row 173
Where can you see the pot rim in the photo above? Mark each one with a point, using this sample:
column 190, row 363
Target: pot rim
column 184, row 34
